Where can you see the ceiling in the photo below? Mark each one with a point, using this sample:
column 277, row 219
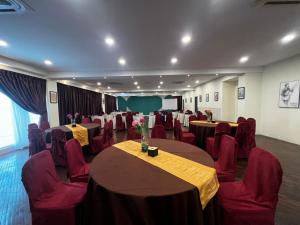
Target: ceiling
column 147, row 34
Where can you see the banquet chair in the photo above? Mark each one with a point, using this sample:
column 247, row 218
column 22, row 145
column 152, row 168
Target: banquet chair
column 253, row 200
column 202, row 117
column 213, row 143
column 186, row 137
column 86, row 120
column 199, row 114
column 241, row 138
column 192, row 118
column 100, row 142
column 226, row 164
column 98, row 121
column 132, row 134
column 58, row 141
column 158, row 119
column 78, row 169
column 36, row 141
column 44, row 125
column 30, row 127
column 241, row 119
column 251, row 133
column 51, row 201
column 129, row 119
column 169, row 122
column 120, row 125
column 158, row 131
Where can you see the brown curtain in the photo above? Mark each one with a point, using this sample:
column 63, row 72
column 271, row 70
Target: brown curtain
column 179, row 102
column 73, row 99
column 27, row 91
column 110, row 104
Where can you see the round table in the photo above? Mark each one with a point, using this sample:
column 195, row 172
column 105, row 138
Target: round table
column 203, row 129
column 125, row 190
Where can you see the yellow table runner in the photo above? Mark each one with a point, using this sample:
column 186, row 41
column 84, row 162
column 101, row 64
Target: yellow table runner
column 203, row 177
column 203, row 123
column 80, row 133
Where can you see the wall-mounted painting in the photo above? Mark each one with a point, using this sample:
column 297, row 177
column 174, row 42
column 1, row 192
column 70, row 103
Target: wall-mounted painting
column 191, row 99
column 200, row 98
column 289, row 94
column 241, row 93
column 53, row 96
column 207, row 97
column 216, row 96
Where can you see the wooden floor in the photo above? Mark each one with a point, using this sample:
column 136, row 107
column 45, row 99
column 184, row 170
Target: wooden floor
column 14, row 208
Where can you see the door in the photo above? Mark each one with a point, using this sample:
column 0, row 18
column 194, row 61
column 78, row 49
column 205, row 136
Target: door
column 196, row 103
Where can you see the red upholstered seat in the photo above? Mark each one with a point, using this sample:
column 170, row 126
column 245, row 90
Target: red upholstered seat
column 199, row 114
column 132, row 134
column 183, row 136
column 241, row 119
column 253, row 200
column 77, row 167
column 58, row 140
column 51, row 200
column 158, row 119
column 85, row 120
column 120, row 125
column 98, row 121
column 169, row 122
column 241, row 138
column 100, row 142
column 44, row 125
column 158, row 131
column 251, row 133
column 226, row 164
column 213, row 143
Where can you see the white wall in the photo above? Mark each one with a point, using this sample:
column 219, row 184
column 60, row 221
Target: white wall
column 52, row 108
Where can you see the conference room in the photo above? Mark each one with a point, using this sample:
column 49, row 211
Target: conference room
column 149, row 112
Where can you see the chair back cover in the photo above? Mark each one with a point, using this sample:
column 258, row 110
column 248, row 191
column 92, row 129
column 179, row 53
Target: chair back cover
column 169, row 121
column 58, row 140
column 199, row 113
column 176, row 124
column 98, row 121
column 221, row 129
column 202, row 117
column 36, row 141
column 192, row 117
column 158, row 119
column 39, row 176
column 263, row 177
column 75, row 157
column 31, row 126
column 158, row 131
column 241, row 119
column 251, row 133
column 44, row 125
column 241, row 138
column 86, row 120
column 129, row 119
column 132, row 134
column 119, row 123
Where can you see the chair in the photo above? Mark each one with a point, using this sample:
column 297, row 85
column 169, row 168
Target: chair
column 30, row 127
column 36, row 141
column 86, row 120
column 132, row 134
column 120, row 125
column 78, row 169
column 241, row 138
column 51, row 201
column 251, row 133
column 44, row 125
column 199, row 114
column 129, row 119
column 98, row 121
column 202, row 117
column 192, row 118
column 186, row 137
column 158, row 131
column 213, row 143
column 226, row 164
column 100, row 142
column 158, row 119
column 253, row 200
column 241, row 119
column 169, row 122
column 58, row 140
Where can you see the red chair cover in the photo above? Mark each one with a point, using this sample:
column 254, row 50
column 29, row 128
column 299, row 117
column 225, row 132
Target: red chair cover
column 192, row 118
column 176, row 124
column 184, row 136
column 77, row 167
column 86, row 120
column 241, row 138
column 58, row 140
column 100, row 142
column 129, row 119
column 253, row 200
column 213, row 143
column 120, row 125
column 241, row 119
column 36, row 141
column 199, row 114
column 30, row 127
column 251, row 133
column 226, row 164
column 132, row 134
column 51, row 201
column 124, row 114
column 158, row 131
column 44, row 125
column 158, row 119
column 202, row 117
column 169, row 122
column 97, row 121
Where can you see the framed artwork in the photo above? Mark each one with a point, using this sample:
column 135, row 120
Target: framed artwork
column 216, row 96
column 241, row 93
column 191, row 99
column 53, row 96
column 289, row 94
column 200, row 98
column 185, row 100
column 207, row 97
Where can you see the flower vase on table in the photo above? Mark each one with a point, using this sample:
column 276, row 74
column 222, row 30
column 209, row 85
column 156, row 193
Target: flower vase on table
column 142, row 130
column 73, row 120
column 209, row 115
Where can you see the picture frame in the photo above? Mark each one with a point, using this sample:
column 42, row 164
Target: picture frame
column 216, row 96
column 200, row 98
column 241, row 93
column 207, row 97
column 289, row 94
column 53, row 96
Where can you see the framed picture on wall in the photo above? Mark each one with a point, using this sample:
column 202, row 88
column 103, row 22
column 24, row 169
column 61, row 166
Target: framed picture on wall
column 53, row 96
column 207, row 97
column 200, row 98
column 216, row 96
column 289, row 94
column 241, row 93
column 191, row 99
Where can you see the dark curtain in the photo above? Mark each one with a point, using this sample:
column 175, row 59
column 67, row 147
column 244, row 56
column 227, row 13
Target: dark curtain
column 27, row 91
column 73, row 100
column 110, row 104
column 179, row 102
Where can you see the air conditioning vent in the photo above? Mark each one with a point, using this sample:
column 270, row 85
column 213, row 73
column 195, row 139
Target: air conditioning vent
column 278, row 2
column 11, row 6
column 178, row 82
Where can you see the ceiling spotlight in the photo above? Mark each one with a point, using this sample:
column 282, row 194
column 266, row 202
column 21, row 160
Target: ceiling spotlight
column 189, row 86
column 175, row 92
column 158, row 86
column 98, row 83
column 83, row 86
column 108, row 87
column 48, row 62
column 186, row 39
column 174, row 60
column 197, row 81
column 244, row 59
column 135, row 83
column 74, row 78
column 217, row 74
column 160, row 76
column 138, row 87
column 161, row 82
column 3, row 43
column 97, row 90
column 109, row 41
column 122, row 61
column 288, row 38
column 188, row 75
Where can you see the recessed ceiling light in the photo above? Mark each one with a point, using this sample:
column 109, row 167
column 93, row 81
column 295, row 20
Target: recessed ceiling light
column 244, row 59
column 3, row 43
column 74, row 78
column 97, row 90
column 188, row 75
column 158, row 86
column 160, row 76
column 175, row 92
column 104, row 78
column 98, row 83
column 217, row 74
column 138, row 87
column 135, row 83
column 83, row 86
column 197, row 81
column 174, row 60
column 48, row 62
column 108, row 87
column 288, row 38
column 109, row 41
column 186, row 39
column 122, row 61
column 161, row 82
column 189, row 86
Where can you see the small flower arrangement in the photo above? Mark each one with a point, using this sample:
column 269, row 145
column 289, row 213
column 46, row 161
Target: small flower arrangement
column 139, row 125
column 70, row 117
column 209, row 114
